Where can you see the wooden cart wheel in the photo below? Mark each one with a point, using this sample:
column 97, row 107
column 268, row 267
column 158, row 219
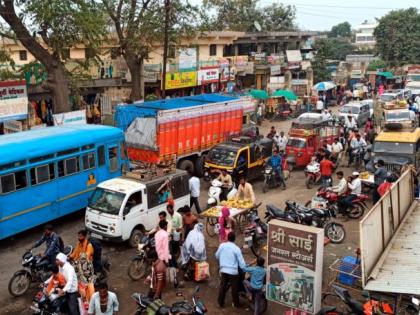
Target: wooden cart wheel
column 210, row 223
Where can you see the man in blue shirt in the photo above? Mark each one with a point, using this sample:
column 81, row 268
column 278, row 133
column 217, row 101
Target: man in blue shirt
column 276, row 161
column 53, row 244
column 255, row 285
column 230, row 260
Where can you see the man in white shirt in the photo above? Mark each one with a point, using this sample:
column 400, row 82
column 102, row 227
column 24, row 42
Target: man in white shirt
column 71, row 287
column 281, row 141
column 341, row 188
column 357, row 146
column 337, row 149
column 319, row 106
column 194, row 184
column 355, row 186
column 95, row 306
column 350, row 123
column 326, row 115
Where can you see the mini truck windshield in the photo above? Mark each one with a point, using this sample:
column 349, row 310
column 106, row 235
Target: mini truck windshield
column 107, row 201
column 222, row 155
column 394, row 147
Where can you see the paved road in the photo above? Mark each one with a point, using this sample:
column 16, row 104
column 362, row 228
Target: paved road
column 12, row 249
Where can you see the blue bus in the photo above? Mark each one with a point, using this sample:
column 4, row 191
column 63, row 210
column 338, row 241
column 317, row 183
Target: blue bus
column 50, row 172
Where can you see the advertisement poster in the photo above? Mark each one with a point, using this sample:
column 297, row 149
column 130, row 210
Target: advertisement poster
column 275, row 70
column 206, row 76
column 13, row 100
column 295, row 254
column 188, row 59
column 71, row 118
column 178, row 80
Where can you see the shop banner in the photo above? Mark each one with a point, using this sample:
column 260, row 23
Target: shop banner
column 206, row 76
column 188, row 59
column 227, row 73
column 70, row 118
column 13, row 100
column 12, row 126
column 275, row 70
column 294, row 259
column 179, row 80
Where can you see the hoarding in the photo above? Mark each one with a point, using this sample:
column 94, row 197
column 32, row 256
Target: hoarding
column 295, row 254
column 275, row 70
column 187, row 59
column 13, row 100
column 12, row 126
column 178, row 80
column 206, row 76
column 70, row 118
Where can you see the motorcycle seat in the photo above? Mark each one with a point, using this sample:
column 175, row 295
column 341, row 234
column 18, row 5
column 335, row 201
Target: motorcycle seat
column 277, row 212
column 164, row 310
column 181, row 308
column 319, row 212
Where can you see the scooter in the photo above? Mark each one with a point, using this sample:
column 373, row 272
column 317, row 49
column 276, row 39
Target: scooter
column 313, row 174
column 44, row 304
column 215, row 192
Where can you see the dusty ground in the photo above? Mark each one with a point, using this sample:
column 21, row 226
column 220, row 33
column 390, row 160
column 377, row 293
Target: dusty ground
column 12, row 249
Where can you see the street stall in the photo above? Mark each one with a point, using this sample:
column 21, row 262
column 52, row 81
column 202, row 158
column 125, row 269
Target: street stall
column 326, row 88
column 284, row 107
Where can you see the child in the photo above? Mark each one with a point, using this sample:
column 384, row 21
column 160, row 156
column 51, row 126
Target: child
column 56, row 281
column 255, row 285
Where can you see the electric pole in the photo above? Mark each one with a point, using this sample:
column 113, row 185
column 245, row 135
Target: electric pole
column 165, row 47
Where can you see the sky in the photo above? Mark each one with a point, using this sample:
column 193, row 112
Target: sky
column 321, row 15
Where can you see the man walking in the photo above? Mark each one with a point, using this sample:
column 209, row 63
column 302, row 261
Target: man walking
column 326, row 168
column 70, row 290
column 230, row 260
column 194, row 183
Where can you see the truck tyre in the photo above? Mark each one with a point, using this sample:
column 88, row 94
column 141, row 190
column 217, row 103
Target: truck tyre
column 186, row 165
column 135, row 238
column 199, row 166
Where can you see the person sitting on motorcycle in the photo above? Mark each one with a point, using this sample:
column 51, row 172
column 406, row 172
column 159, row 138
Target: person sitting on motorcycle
column 355, row 186
column 341, row 188
column 56, row 281
column 272, row 133
column 53, row 244
column 275, row 161
column 82, row 246
column 193, row 250
column 319, row 155
column 226, row 181
column 255, row 284
column 357, row 146
column 162, row 217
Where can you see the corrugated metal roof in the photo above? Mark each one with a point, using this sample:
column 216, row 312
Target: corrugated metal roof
column 399, row 270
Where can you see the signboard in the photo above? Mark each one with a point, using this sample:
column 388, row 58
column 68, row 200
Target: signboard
column 293, row 65
column 275, row 70
column 295, row 254
column 293, row 56
column 12, row 126
column 206, row 76
column 179, row 80
column 187, row 59
column 227, row 74
column 70, row 118
column 13, row 100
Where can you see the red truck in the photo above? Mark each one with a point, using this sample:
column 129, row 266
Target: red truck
column 182, row 128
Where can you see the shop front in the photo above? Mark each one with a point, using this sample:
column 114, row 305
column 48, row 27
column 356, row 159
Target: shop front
column 13, row 106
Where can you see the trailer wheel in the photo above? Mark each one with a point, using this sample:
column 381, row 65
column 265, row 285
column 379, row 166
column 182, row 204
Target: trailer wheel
column 199, row 166
column 186, row 165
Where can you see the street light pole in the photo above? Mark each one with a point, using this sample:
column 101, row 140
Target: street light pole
column 165, row 47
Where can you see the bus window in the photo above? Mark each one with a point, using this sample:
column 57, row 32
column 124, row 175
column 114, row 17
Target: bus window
column 68, row 167
column 113, row 159
column 69, row 151
column 88, row 161
column 12, row 182
column 41, row 158
column 101, row 155
column 42, row 174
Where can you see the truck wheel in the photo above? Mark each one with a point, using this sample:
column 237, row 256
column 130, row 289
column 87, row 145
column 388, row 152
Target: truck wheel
column 135, row 238
column 199, row 166
column 186, row 165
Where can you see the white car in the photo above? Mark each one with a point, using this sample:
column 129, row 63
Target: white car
column 369, row 102
column 359, row 111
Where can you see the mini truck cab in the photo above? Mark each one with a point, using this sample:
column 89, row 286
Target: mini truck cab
column 123, row 208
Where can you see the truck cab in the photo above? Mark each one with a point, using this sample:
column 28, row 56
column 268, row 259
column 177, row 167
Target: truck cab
column 123, row 208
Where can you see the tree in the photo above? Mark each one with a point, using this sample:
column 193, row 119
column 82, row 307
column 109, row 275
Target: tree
column 398, row 37
column 376, row 64
column 139, row 27
column 341, row 30
column 47, row 28
column 241, row 15
column 334, row 48
column 319, row 65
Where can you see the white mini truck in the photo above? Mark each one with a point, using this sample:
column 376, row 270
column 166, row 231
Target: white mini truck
column 123, row 208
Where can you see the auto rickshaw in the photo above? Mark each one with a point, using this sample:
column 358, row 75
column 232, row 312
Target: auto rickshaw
column 241, row 156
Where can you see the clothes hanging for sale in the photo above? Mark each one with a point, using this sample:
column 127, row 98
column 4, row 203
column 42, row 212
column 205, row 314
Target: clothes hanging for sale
column 43, row 110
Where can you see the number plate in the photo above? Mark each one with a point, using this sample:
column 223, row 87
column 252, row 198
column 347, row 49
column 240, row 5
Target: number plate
column 96, row 236
column 248, row 238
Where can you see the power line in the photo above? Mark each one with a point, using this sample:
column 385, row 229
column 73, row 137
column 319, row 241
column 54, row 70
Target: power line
column 331, row 6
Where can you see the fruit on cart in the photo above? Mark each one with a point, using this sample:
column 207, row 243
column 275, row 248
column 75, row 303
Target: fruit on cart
column 212, row 212
column 364, row 175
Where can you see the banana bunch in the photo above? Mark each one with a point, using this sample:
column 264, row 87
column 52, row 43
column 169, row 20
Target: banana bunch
column 212, row 212
column 238, row 203
column 364, row 175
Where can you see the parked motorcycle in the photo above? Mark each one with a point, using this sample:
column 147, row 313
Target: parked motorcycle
column 42, row 304
column 215, row 193
column 182, row 307
column 313, row 175
column 255, row 234
column 35, row 269
column 271, row 179
column 140, row 265
column 273, row 212
column 327, row 199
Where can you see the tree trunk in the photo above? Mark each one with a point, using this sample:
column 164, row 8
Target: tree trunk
column 58, row 84
column 136, row 68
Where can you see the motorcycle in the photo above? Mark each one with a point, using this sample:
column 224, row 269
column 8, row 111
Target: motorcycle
column 358, row 155
column 271, row 179
column 273, row 212
column 215, row 192
column 312, row 174
column 178, row 308
column 327, row 199
column 35, row 269
column 255, row 234
column 141, row 265
column 44, row 304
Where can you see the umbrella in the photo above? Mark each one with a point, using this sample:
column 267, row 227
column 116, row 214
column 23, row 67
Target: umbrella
column 261, row 94
column 324, row 86
column 385, row 74
column 286, row 94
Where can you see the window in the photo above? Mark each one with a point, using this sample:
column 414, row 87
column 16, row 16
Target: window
column 134, row 200
column 88, row 161
column 12, row 182
column 12, row 165
column 213, row 50
column 68, row 167
column 23, row 55
column 101, row 155
column 67, row 152
column 41, row 158
column 228, row 50
column 42, row 174
column 113, row 159
column 88, row 147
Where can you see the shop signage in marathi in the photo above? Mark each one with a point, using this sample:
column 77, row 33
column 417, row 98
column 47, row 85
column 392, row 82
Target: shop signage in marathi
column 275, row 70
column 70, row 118
column 299, row 82
column 206, row 76
column 13, row 100
column 179, row 80
column 295, row 254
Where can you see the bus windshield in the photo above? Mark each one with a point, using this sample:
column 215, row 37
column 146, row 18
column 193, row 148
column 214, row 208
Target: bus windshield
column 106, row 201
column 222, row 156
column 394, row 147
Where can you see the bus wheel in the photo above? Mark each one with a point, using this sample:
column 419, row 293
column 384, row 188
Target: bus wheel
column 135, row 238
column 186, row 165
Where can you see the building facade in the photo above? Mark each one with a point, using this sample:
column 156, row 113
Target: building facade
column 364, row 35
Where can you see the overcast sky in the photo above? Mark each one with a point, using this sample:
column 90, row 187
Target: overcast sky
column 320, row 15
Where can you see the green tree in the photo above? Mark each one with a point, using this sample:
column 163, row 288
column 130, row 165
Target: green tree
column 334, row 48
column 139, row 26
column 398, row 37
column 341, row 30
column 376, row 64
column 47, row 29
column 319, row 65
